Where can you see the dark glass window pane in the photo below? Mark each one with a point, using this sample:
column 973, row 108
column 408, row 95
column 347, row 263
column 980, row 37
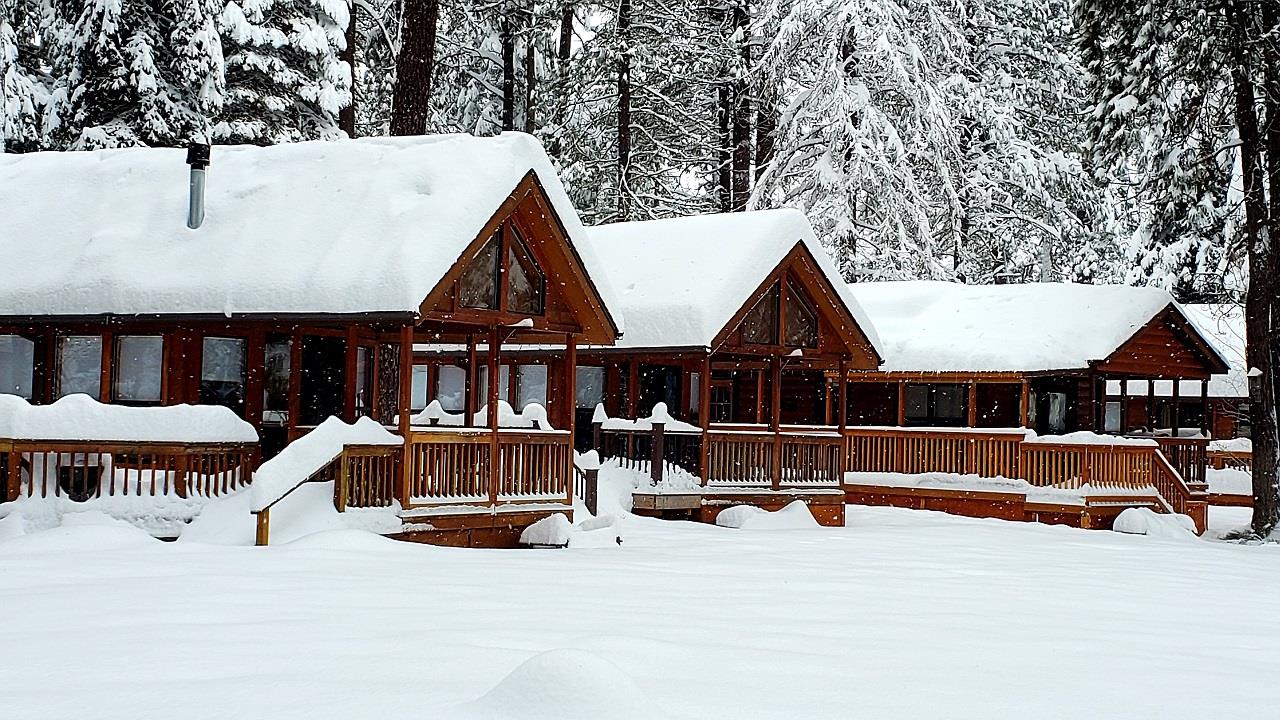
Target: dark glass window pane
column 917, row 402
column 275, row 390
column 451, row 387
column 478, row 287
column 524, row 282
column 364, row 381
column 139, row 368
column 17, row 365
column 222, row 373
column 801, row 322
column 949, row 401
column 418, row 395
column 760, row 327
column 324, row 364
column 589, row 386
column 531, row 385
column 80, row 365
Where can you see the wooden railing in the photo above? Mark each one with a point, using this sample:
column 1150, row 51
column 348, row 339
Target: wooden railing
column 1188, row 455
column 638, row 449
column 1224, row 459
column 366, row 476
column 986, row 453
column 793, row 457
column 1071, row 466
column 81, row 470
column 454, row 467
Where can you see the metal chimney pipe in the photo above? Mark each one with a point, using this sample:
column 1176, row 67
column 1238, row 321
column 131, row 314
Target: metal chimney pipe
column 198, row 159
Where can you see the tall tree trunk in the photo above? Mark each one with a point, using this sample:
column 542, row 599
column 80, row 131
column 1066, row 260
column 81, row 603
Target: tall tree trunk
column 530, row 71
column 1264, row 285
column 562, row 76
column 742, row 111
column 624, row 111
column 507, row 39
column 347, row 115
column 415, row 64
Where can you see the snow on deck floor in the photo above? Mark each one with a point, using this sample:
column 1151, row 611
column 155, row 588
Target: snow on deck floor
column 903, row 614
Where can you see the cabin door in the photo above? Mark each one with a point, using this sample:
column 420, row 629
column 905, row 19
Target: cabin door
column 324, row 365
column 1054, row 405
column 659, row 383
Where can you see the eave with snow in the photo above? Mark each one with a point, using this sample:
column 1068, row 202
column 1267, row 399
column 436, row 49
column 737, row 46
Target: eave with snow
column 317, row 267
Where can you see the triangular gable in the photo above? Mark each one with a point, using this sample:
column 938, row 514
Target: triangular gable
column 838, row 333
column 572, row 302
column 1167, row 346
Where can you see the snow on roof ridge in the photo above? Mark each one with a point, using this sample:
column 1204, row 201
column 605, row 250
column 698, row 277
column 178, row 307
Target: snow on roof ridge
column 347, row 226
column 707, row 281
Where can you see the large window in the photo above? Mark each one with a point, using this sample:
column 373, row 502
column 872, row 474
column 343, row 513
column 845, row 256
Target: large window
column 504, row 384
column 937, row 404
column 451, row 388
column 531, row 385
column 17, row 365
column 760, row 327
column 222, row 373
column 504, row 254
column 799, row 320
column 323, row 378
column 364, row 382
column 589, row 386
column 418, row 394
column 80, row 365
column 139, row 369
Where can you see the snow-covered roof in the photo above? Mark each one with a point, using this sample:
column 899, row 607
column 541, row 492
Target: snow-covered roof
column 80, row 417
column 680, row 281
column 1224, row 326
column 930, row 326
column 353, row 226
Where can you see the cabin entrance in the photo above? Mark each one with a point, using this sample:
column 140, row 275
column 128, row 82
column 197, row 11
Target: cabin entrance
column 659, row 384
column 1053, row 409
column 323, row 378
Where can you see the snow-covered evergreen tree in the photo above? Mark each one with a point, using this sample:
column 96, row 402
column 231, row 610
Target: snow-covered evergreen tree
column 24, row 87
column 285, row 81
column 135, row 73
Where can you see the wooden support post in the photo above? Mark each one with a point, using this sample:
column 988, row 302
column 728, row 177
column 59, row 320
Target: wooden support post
column 775, row 417
column 470, row 383
column 656, row 453
column 1151, row 405
column 295, row 384
column 902, row 403
column 1177, row 394
column 591, row 490
column 404, row 400
column 349, row 378
column 1024, row 404
column 13, row 486
column 182, row 466
column 842, row 395
column 494, row 364
column 633, row 390
column 570, row 389
column 704, row 416
column 262, row 533
column 108, row 359
column 760, row 396
column 341, row 489
column 1204, row 408
column 972, row 402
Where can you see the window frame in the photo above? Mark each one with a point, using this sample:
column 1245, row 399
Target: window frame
column 244, row 370
column 510, row 247
column 117, row 342
column 59, row 364
column 31, row 381
column 782, row 292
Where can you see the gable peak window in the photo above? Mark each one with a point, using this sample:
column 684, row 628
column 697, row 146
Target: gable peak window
column 799, row 320
column 789, row 321
column 503, row 276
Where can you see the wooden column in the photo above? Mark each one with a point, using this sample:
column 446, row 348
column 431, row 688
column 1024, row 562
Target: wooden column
column 842, row 395
column 759, row 418
column 404, row 395
column 1024, row 404
column 704, row 415
column 972, row 420
column 255, row 371
column 470, row 383
column 494, row 364
column 775, row 416
column 108, row 359
column 1151, row 405
column 1204, row 408
column 569, row 391
column 295, row 383
column 633, row 389
column 1177, row 393
column 349, row 377
column 902, row 403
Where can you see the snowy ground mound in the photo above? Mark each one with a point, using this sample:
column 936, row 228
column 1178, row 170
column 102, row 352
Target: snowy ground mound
column 89, row 531
column 795, row 516
column 557, row 531
column 307, row 510
column 564, row 685
column 1144, row 521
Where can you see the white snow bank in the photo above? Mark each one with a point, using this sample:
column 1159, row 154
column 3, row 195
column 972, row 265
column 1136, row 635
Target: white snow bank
column 1085, row 437
column 305, row 511
column 1232, row 445
column 679, row 283
column 795, row 516
column 1229, row 481
column 308, row 227
column 976, row 483
column 304, row 456
column 556, row 531
column 941, row 326
column 80, row 417
column 1144, row 521
column 564, row 685
column 533, row 416
column 658, row 415
column 84, row 532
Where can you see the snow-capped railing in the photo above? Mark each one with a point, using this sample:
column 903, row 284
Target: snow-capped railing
column 658, row 444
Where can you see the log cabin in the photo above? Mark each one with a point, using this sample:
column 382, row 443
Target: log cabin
column 295, row 290
column 971, row 369
column 738, row 324
column 1228, row 411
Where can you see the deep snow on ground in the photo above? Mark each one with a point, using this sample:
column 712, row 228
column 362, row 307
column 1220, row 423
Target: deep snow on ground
column 902, row 614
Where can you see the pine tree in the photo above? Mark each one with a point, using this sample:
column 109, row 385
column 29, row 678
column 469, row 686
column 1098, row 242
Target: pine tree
column 134, row 73
column 285, row 79
column 24, row 87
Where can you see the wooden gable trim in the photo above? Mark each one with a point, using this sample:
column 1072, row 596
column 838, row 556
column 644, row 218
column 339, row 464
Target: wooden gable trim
column 597, row 325
column 1183, row 330
column 804, row 268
